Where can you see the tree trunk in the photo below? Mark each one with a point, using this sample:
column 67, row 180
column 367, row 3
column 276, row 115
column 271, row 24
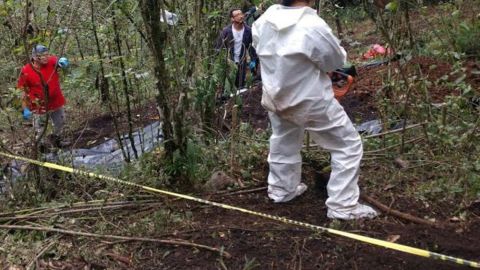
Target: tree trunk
column 103, row 82
column 157, row 39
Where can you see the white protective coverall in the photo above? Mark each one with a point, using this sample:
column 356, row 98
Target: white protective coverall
column 296, row 50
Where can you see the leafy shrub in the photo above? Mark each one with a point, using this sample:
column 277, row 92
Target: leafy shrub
column 466, row 39
column 456, row 32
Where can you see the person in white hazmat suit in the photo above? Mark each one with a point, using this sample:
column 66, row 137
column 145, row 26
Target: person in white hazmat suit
column 297, row 50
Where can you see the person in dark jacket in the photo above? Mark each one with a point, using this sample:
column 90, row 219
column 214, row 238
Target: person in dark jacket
column 237, row 39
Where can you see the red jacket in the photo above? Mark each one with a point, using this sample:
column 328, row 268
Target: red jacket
column 33, row 82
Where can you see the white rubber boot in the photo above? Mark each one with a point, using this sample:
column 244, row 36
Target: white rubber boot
column 357, row 212
column 301, row 188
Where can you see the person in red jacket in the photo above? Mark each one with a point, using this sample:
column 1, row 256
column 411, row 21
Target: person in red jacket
column 42, row 93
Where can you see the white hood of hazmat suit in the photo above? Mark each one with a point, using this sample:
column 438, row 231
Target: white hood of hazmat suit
column 296, row 50
column 290, row 38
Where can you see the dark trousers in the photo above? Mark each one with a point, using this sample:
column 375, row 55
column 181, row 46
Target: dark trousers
column 241, row 75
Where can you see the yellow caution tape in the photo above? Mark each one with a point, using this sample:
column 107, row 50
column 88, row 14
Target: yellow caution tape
column 365, row 239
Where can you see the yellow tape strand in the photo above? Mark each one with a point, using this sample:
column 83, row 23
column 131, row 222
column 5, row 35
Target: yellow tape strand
column 365, row 239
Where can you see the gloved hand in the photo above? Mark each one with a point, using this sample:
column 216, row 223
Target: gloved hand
column 250, row 11
column 63, row 62
column 252, row 64
column 27, row 114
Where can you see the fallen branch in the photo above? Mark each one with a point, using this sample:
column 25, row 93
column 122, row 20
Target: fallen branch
column 389, row 211
column 244, row 191
column 395, row 130
column 380, row 134
column 117, row 237
column 22, row 211
column 95, row 203
column 74, row 211
column 392, row 146
column 227, row 228
column 105, row 243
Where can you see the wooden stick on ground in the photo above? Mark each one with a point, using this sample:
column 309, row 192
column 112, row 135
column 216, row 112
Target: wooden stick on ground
column 396, row 130
column 389, row 211
column 392, row 146
column 117, row 237
column 245, row 191
column 104, row 203
column 74, row 211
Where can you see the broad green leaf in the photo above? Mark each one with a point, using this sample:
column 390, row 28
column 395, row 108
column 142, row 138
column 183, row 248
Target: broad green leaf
column 392, row 6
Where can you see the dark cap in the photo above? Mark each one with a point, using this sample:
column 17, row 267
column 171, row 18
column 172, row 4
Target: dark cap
column 39, row 49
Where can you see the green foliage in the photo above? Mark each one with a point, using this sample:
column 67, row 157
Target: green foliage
column 189, row 165
column 455, row 129
column 392, row 6
column 250, row 150
column 250, row 264
column 79, row 77
column 455, row 32
column 209, row 88
column 466, row 38
column 446, row 164
column 444, row 167
column 194, row 167
column 146, row 171
column 19, row 244
column 202, row 158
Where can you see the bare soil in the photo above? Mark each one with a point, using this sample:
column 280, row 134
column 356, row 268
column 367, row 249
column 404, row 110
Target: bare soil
column 279, row 246
column 274, row 245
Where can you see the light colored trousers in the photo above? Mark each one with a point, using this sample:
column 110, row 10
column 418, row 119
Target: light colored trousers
column 330, row 127
column 57, row 118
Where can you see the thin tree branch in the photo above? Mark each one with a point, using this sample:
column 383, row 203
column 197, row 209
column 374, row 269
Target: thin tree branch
column 392, row 146
column 230, row 193
column 117, row 237
column 389, row 211
column 395, row 130
column 72, row 211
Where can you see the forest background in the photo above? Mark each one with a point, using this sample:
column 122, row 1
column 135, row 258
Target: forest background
column 128, row 70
